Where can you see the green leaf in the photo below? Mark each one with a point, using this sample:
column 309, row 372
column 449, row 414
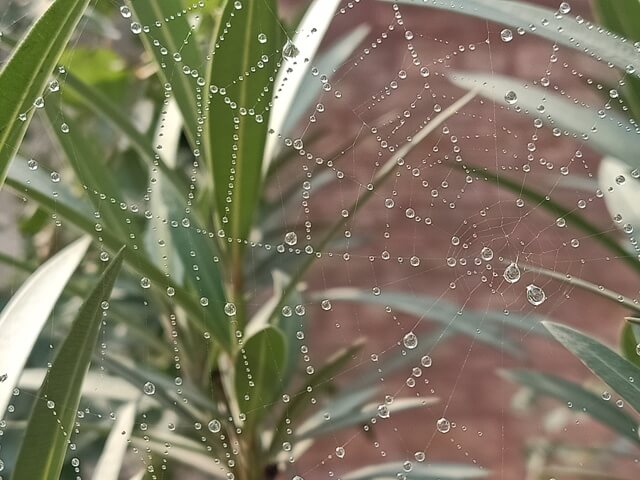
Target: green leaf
column 244, row 63
column 615, row 371
column 118, row 119
column 96, row 384
column 172, row 31
column 51, row 424
column 581, row 400
column 317, row 425
column 614, row 136
column 621, row 198
column 38, row 186
column 291, row 76
column 622, row 17
column 110, row 461
column 425, row 307
column 562, row 29
column 258, row 373
column 25, row 74
column 91, row 170
column 431, row 471
column 629, row 341
column 23, row 318
column 327, row 64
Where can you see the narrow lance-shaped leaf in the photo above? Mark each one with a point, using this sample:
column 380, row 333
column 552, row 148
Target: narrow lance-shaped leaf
column 169, row 29
column 306, row 42
column 430, row 308
column 51, row 423
column 318, row 425
column 110, row 461
column 25, row 75
column 617, row 372
column 26, row 313
column 611, row 135
column 430, row 471
column 556, row 26
column 35, row 185
column 629, row 342
column 326, row 64
column 246, row 56
column 580, row 399
column 259, row 381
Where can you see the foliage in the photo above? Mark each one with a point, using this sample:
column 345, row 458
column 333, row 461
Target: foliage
column 205, row 358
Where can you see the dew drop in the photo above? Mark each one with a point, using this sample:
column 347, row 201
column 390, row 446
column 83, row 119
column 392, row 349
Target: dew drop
column 511, row 273
column 149, row 388
column 410, row 340
column 230, row 309
column 511, row 97
column 443, row 425
column 535, row 295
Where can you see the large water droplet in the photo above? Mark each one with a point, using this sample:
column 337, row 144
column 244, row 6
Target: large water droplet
column 149, row 388
column 535, row 295
column 511, row 97
column 291, row 238
column 410, row 340
column 511, row 273
column 443, row 425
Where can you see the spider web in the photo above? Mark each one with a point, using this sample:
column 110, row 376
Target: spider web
column 435, row 229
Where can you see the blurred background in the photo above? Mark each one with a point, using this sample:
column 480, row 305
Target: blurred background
column 433, row 211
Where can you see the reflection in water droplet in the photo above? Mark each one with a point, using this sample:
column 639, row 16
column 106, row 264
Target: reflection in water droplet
column 410, row 340
column 149, row 388
column 511, row 97
column 535, row 295
column 443, row 425
column 512, row 273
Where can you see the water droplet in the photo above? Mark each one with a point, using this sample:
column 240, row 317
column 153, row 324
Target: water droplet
column 291, row 238
column 325, row 304
column 32, row 164
column 290, row 50
column 414, row 261
column 410, row 340
column 204, row 301
column 145, row 282
column 149, row 388
column 262, row 38
column 535, row 295
column 424, row 72
column 408, row 35
column 55, row 177
column 214, row 426
column 104, row 256
column 340, row 452
column 383, row 411
column 486, row 253
column 506, row 35
column 564, row 8
column 230, row 309
column 511, row 273
column 443, row 425
column 136, row 28
column 3, row 377
column 426, row 361
column 125, row 11
column 237, row 5
column 511, row 97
